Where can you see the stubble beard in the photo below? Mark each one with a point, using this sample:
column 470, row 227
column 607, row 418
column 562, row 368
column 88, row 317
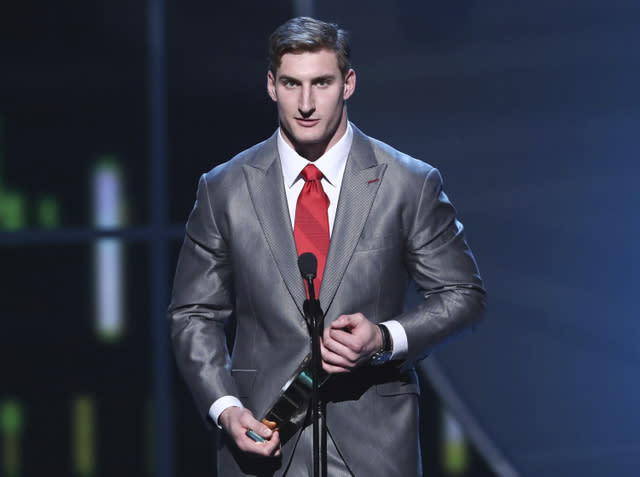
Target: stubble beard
column 312, row 149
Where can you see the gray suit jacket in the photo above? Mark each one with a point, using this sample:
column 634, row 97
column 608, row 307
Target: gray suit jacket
column 238, row 271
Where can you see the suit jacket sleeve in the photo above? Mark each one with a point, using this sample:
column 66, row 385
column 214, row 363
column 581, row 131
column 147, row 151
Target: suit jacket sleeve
column 201, row 306
column 442, row 266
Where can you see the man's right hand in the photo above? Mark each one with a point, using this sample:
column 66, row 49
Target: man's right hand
column 238, row 420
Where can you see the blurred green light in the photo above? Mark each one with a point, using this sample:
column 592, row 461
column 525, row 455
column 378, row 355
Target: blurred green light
column 84, row 436
column 11, row 426
column 455, row 458
column 48, row 213
column 11, row 417
column 12, row 210
column 455, row 448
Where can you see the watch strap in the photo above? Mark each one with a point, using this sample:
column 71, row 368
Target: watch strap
column 386, row 338
column 383, row 354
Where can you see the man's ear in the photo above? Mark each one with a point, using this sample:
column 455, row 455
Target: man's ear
column 271, row 86
column 349, row 84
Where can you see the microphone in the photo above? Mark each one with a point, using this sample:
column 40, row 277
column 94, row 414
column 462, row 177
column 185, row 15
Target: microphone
column 308, row 264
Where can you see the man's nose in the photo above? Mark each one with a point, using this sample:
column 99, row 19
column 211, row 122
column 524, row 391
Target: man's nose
column 306, row 103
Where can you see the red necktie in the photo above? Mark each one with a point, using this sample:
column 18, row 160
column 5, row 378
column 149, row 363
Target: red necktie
column 311, row 229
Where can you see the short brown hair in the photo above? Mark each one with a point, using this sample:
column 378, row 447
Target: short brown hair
column 308, row 34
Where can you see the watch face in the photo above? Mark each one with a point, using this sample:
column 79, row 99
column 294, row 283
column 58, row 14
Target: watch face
column 380, row 357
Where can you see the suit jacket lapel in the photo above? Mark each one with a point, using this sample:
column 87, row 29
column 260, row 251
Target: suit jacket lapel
column 360, row 183
column 266, row 187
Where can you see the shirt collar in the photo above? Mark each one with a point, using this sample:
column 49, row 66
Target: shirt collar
column 331, row 163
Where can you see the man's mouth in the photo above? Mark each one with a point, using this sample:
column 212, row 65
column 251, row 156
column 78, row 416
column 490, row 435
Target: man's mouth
column 307, row 122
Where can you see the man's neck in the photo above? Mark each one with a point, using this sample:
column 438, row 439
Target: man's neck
column 311, row 152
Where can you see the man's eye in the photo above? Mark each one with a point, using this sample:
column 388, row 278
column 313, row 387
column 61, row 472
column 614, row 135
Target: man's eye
column 290, row 84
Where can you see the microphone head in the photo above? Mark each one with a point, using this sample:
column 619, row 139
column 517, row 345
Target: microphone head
column 308, row 264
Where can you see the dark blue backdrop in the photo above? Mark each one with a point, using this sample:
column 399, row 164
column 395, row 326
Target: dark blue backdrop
column 530, row 110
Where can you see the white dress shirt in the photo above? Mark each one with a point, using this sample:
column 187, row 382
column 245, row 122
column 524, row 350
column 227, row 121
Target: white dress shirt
column 332, row 164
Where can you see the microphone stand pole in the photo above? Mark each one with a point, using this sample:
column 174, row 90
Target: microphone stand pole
column 315, row 322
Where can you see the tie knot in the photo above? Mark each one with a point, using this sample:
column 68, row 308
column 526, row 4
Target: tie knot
column 311, row 173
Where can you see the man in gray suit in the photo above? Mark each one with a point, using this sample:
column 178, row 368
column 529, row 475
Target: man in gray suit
column 389, row 223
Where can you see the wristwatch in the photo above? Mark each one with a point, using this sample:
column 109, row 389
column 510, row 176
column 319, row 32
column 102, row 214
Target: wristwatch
column 383, row 354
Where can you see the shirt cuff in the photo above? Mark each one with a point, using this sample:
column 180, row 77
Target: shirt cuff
column 399, row 338
column 220, row 405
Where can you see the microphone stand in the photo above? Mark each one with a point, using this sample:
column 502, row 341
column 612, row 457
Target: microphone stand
column 315, row 322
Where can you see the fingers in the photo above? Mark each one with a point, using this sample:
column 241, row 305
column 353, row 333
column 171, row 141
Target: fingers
column 267, row 447
column 342, row 343
column 348, row 321
column 275, row 439
column 330, row 361
column 348, row 342
column 237, row 421
column 271, row 447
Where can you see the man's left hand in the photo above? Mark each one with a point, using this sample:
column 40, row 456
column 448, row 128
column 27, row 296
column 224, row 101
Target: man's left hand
column 349, row 342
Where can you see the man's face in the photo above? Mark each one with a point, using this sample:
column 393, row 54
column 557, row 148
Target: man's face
column 310, row 92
